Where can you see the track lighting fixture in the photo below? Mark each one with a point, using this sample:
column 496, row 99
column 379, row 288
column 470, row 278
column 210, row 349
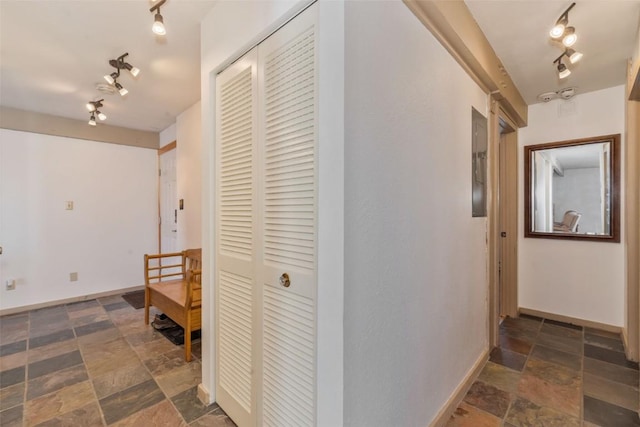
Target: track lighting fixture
column 120, row 64
column 93, row 106
column 560, row 27
column 567, row 34
column 158, row 22
column 563, row 71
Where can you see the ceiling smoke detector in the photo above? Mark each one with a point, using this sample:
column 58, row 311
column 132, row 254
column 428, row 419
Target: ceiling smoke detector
column 567, row 93
column 105, row 88
column 547, row 96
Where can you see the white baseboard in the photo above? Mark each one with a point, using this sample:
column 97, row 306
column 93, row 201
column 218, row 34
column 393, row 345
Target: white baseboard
column 443, row 416
column 572, row 320
column 203, row 395
column 15, row 310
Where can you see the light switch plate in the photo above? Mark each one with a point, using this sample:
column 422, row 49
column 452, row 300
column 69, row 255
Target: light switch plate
column 69, row 205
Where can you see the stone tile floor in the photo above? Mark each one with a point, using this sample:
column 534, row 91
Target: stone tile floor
column 95, row 363
column 552, row 374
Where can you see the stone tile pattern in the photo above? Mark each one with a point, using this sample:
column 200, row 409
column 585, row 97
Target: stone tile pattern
column 549, row 373
column 95, row 363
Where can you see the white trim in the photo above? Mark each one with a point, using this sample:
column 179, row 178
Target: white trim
column 444, row 414
column 24, row 308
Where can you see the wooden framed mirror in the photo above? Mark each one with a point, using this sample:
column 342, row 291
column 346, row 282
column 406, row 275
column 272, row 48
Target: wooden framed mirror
column 572, row 189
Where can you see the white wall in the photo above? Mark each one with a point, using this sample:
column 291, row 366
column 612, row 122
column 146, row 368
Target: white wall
column 229, row 30
column 189, row 176
column 584, row 280
column 415, row 260
column 103, row 239
column 168, row 135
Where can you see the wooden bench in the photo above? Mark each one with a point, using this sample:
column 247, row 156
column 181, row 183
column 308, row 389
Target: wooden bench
column 173, row 284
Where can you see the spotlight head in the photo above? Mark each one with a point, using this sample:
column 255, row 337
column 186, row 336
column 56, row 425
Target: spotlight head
column 122, row 90
column 111, row 78
column 94, row 105
column 573, row 55
column 570, row 37
column 563, row 71
column 92, row 120
column 158, row 24
column 101, row 116
column 558, row 30
column 133, row 70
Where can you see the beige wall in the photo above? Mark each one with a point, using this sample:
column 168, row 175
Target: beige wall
column 189, row 166
column 46, row 124
column 632, row 175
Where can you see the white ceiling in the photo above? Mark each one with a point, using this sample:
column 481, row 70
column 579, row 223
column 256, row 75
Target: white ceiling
column 518, row 30
column 53, row 52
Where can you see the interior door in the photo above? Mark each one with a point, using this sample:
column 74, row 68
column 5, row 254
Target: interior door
column 287, row 75
column 168, row 203
column 265, row 238
column 508, row 193
column 235, row 237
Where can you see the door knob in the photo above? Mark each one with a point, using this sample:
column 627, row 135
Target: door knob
column 284, row 280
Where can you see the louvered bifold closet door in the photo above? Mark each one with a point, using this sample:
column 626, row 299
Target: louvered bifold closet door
column 236, row 194
column 288, row 205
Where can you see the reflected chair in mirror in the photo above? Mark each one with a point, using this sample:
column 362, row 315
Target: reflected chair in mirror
column 569, row 223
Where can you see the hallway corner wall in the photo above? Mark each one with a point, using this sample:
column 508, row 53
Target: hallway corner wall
column 416, row 292
column 578, row 279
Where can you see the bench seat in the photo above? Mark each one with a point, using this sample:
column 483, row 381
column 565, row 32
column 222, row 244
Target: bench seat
column 178, row 294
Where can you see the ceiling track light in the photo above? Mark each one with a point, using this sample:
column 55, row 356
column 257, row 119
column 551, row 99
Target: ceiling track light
column 560, row 27
column 158, row 22
column 120, row 64
column 563, row 71
column 93, row 106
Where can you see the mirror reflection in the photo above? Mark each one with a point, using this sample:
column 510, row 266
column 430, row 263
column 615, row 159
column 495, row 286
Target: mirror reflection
column 572, row 189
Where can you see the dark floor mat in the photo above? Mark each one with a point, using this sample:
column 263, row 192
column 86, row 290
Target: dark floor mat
column 135, row 299
column 175, row 334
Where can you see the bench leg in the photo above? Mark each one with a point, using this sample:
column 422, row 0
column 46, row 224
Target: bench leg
column 147, row 299
column 187, row 339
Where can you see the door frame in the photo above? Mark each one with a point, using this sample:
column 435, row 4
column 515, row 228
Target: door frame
column 499, row 119
column 162, row 150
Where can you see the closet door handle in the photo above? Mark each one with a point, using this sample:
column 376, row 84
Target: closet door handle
column 284, row 280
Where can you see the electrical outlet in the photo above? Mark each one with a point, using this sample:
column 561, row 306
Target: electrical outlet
column 11, row 284
column 73, row 277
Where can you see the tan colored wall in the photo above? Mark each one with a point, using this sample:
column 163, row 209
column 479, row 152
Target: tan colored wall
column 46, row 124
column 632, row 174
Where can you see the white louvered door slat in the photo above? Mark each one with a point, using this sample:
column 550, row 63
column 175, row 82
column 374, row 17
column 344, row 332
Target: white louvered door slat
column 288, row 205
column 236, row 296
